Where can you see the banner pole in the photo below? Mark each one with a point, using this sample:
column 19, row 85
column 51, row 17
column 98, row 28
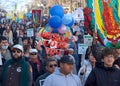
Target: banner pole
column 95, row 30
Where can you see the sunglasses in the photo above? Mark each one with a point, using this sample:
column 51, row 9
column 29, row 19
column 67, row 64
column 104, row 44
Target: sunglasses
column 33, row 54
column 14, row 51
column 54, row 65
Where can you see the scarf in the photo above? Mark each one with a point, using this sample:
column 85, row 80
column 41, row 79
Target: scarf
column 23, row 73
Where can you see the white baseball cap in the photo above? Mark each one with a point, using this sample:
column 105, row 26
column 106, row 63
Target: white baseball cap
column 18, row 46
column 33, row 51
column 71, row 49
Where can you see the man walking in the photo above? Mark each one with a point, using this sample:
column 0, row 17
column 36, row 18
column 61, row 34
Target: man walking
column 63, row 76
column 17, row 72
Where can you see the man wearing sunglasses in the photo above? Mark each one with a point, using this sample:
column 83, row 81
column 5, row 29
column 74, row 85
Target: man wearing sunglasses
column 16, row 71
column 35, row 62
column 51, row 64
column 63, row 76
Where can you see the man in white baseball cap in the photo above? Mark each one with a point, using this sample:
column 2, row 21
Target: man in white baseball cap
column 16, row 71
column 18, row 46
column 35, row 63
column 17, row 51
column 33, row 51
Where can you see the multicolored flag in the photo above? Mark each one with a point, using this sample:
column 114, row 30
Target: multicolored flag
column 105, row 17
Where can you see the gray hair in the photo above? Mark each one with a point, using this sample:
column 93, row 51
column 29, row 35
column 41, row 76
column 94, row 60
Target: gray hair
column 49, row 60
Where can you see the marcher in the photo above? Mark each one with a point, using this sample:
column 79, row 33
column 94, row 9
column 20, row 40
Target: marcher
column 35, row 63
column 63, row 76
column 5, row 52
column 105, row 74
column 51, row 64
column 9, row 35
column 88, row 65
column 16, row 71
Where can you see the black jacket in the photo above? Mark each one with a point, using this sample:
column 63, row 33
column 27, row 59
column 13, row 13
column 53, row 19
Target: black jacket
column 102, row 76
column 35, row 70
column 41, row 78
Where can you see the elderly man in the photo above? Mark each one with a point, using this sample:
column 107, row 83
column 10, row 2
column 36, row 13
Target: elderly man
column 51, row 64
column 16, row 71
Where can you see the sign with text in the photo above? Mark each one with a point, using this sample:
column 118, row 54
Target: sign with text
column 30, row 32
column 41, row 82
column 88, row 40
column 82, row 48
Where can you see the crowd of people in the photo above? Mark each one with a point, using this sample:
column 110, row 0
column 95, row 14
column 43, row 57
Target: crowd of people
column 24, row 62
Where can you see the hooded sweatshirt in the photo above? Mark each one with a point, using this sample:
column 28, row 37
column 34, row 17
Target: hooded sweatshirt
column 59, row 79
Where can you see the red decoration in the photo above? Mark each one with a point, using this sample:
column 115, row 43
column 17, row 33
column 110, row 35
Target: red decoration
column 58, row 52
column 46, row 43
column 54, row 43
column 87, row 17
column 47, row 50
column 55, row 37
column 52, row 51
column 46, row 35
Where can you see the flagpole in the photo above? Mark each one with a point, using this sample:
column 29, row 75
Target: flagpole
column 94, row 15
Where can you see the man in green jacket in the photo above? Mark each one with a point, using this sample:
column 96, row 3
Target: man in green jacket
column 16, row 71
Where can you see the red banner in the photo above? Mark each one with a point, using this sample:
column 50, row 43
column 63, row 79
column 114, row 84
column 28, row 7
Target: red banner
column 36, row 15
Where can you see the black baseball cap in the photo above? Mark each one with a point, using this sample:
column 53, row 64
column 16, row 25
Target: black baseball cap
column 67, row 59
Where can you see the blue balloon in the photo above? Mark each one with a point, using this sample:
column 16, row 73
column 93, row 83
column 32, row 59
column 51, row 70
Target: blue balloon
column 55, row 22
column 68, row 20
column 71, row 23
column 55, row 31
column 57, row 10
column 29, row 15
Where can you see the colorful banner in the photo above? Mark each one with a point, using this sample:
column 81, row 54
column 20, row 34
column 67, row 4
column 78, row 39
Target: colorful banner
column 36, row 15
column 106, row 19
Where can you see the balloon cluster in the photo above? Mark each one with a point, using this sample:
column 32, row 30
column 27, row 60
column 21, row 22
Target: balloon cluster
column 58, row 20
column 57, row 34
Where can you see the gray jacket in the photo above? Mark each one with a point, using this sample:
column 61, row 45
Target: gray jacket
column 59, row 79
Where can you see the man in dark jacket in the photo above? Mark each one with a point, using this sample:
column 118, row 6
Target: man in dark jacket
column 35, row 63
column 51, row 64
column 2, row 28
column 16, row 71
column 105, row 74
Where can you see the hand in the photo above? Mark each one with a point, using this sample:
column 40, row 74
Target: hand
column 95, row 34
column 117, row 66
column 95, row 37
column 83, row 71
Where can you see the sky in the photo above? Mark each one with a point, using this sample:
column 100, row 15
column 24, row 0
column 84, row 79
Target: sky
column 10, row 4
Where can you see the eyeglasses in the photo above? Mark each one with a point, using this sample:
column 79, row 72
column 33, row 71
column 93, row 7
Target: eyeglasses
column 33, row 54
column 14, row 51
column 54, row 65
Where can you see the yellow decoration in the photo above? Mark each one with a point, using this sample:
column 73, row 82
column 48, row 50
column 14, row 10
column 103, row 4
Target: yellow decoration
column 98, row 17
column 119, row 9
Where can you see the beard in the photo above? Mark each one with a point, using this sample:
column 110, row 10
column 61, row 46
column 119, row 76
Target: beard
column 16, row 58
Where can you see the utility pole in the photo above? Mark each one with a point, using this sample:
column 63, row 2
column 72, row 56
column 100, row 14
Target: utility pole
column 71, row 5
column 61, row 2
